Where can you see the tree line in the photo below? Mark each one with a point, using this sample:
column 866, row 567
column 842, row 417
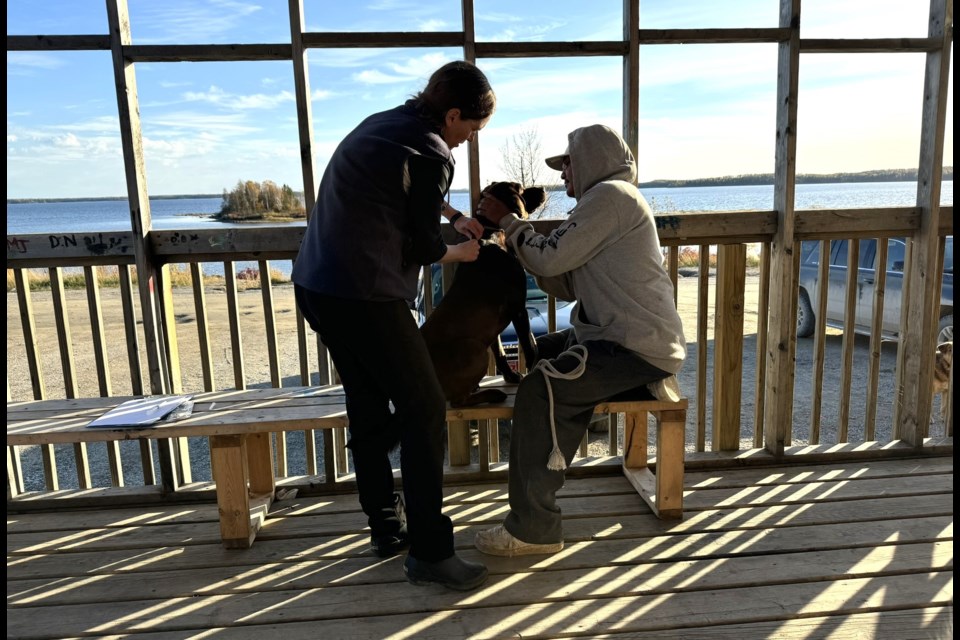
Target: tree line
column 880, row 175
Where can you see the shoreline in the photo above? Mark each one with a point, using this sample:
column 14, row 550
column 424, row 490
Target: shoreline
column 752, row 179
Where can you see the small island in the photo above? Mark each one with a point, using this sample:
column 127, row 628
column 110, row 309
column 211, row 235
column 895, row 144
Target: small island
column 250, row 201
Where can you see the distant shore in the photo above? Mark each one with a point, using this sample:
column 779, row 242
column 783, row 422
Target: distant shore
column 751, row 179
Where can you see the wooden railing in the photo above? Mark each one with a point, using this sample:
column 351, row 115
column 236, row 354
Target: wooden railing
column 721, row 388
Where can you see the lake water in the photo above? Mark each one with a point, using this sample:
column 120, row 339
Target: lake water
column 194, row 213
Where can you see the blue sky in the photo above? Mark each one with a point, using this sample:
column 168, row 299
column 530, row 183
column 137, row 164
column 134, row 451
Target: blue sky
column 705, row 110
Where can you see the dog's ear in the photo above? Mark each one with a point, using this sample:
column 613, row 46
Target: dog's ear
column 533, row 198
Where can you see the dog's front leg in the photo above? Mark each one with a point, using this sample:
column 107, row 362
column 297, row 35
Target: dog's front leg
column 503, row 365
column 525, row 338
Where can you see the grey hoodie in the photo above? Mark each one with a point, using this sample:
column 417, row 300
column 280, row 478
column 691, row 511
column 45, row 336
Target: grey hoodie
column 606, row 255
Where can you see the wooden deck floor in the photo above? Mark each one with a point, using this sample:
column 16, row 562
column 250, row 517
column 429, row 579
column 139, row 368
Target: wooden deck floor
column 861, row 550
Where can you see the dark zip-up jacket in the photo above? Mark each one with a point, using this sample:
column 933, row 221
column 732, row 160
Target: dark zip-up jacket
column 377, row 216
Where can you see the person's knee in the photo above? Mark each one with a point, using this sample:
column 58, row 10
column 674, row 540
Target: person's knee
column 531, row 390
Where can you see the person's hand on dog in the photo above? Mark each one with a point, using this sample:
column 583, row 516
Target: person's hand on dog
column 494, row 209
column 464, row 252
column 469, row 227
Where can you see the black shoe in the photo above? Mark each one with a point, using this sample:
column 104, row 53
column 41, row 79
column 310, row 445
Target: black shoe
column 453, row 573
column 390, row 545
column 390, row 535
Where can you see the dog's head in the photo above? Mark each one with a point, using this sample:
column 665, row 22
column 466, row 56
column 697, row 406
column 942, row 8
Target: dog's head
column 945, row 355
column 512, row 194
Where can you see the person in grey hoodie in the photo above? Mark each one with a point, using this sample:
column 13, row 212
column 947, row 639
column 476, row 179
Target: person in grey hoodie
column 626, row 332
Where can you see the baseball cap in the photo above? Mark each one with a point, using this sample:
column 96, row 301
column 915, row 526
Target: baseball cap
column 556, row 162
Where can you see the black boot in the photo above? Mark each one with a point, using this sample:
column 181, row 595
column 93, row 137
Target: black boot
column 453, row 573
column 388, row 534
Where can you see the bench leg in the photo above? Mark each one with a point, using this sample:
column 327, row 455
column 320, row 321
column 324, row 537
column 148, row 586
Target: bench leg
column 662, row 491
column 635, row 440
column 671, row 426
column 240, row 461
column 458, row 442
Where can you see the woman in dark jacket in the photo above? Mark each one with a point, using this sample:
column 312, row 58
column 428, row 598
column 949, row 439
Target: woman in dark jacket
column 375, row 223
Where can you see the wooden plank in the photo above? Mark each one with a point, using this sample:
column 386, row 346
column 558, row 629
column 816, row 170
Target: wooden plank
column 130, row 329
column 781, row 338
column 95, row 308
column 64, row 336
column 921, row 291
column 849, row 322
column 203, row 332
column 233, row 314
column 14, row 473
column 270, row 324
column 728, row 346
column 458, row 440
column 740, row 571
column 703, row 314
column 876, row 341
column 527, row 615
column 135, row 175
column 259, row 447
column 819, row 342
column 763, row 311
column 635, row 440
column 193, row 542
column 82, row 463
column 848, row 505
column 671, row 427
column 29, row 325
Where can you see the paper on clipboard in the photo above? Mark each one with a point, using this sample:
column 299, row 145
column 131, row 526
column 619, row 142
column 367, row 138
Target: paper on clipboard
column 143, row 412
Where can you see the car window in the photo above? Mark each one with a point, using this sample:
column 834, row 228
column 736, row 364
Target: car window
column 533, row 291
column 948, row 255
column 896, row 254
column 839, row 250
column 810, row 252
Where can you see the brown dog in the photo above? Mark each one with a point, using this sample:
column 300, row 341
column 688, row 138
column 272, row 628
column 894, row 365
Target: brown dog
column 486, row 296
column 943, row 363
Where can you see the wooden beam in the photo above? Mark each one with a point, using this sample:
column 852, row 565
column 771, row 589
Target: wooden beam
column 782, row 335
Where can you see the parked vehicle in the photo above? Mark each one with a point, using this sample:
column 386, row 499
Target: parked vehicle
column 837, row 288
column 537, row 310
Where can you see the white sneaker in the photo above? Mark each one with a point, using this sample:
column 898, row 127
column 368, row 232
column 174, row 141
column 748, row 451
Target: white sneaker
column 500, row 542
column 667, row 390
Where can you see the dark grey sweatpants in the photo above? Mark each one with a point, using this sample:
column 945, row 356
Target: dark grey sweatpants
column 610, row 370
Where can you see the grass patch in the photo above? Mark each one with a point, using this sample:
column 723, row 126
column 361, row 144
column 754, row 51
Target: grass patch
column 109, row 277
column 690, row 257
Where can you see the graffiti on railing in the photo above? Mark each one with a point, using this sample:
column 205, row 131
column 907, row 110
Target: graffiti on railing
column 184, row 238
column 100, row 245
column 17, row 245
column 668, row 222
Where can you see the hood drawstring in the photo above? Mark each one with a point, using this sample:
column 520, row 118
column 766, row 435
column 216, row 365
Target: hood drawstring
column 556, row 462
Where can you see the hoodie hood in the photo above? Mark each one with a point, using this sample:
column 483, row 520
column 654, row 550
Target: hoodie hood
column 599, row 154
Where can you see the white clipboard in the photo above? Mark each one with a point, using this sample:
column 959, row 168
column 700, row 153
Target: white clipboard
column 142, row 412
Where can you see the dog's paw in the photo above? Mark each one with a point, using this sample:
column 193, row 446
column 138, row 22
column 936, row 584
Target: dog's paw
column 493, row 396
column 512, row 377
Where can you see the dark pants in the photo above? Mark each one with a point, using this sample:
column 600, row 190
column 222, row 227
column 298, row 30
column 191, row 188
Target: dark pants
column 534, row 516
column 393, row 395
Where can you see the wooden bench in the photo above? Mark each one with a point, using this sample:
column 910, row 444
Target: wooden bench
column 239, row 424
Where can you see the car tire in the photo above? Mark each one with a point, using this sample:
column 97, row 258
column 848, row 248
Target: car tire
column 945, row 331
column 806, row 322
